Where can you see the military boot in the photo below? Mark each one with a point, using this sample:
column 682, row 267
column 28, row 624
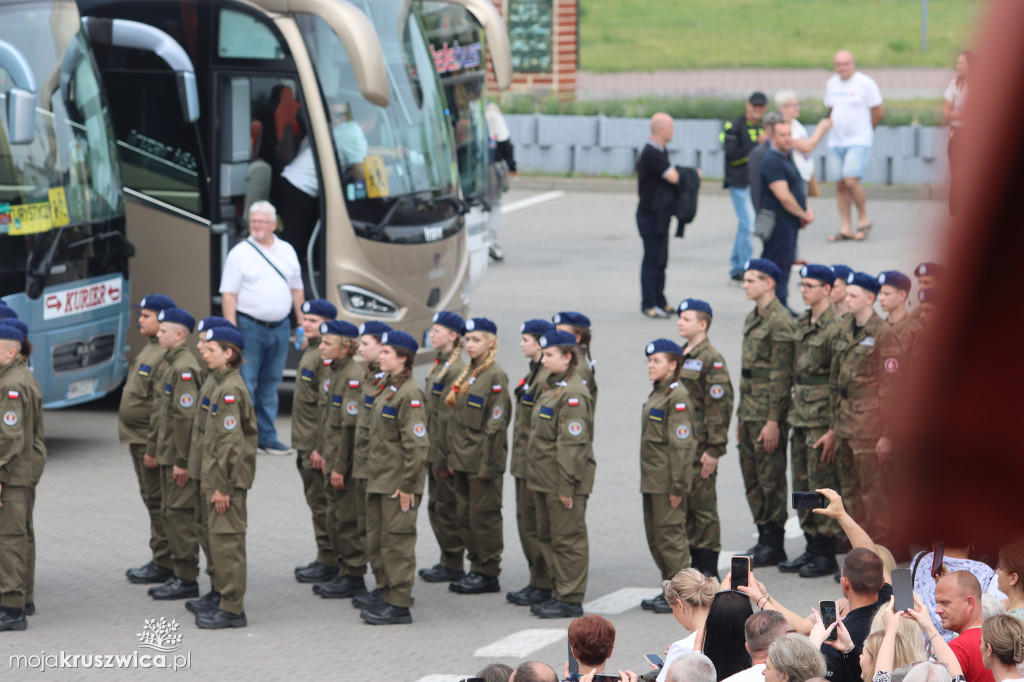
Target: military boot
column 824, row 560
column 794, row 565
column 773, row 550
column 760, row 542
column 705, row 561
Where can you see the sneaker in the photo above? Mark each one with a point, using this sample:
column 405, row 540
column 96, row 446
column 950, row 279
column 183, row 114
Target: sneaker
column 496, row 254
column 655, row 313
column 736, row 276
column 275, row 447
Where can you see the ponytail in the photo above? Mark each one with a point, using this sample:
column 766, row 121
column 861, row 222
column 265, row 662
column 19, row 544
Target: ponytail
column 678, row 359
column 402, row 376
column 573, row 362
column 462, row 383
column 456, row 350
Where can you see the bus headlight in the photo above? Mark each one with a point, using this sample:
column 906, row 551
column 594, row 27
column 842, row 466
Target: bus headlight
column 363, row 302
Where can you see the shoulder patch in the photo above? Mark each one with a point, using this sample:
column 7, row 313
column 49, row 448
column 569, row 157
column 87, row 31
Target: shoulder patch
column 419, row 430
column 144, row 370
column 869, row 342
column 680, row 407
column 573, row 402
column 575, row 428
column 186, row 376
column 683, row 432
column 545, row 412
column 496, row 413
column 186, row 400
column 656, row 415
column 353, row 383
column 335, row 400
column 230, row 423
column 437, row 388
column 695, row 365
column 205, row 403
column 10, row 418
column 474, row 401
column 13, row 395
column 352, row 407
column 306, row 375
column 891, row 365
column 368, row 400
column 718, row 365
column 388, row 412
column 496, row 388
column 415, row 403
column 228, row 399
column 167, row 388
column 327, row 385
column 716, row 391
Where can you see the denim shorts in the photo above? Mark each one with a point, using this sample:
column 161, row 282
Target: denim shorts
column 847, row 162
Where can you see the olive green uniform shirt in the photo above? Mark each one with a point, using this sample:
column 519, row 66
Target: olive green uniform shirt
column 561, row 453
column 445, row 370
column 175, row 408
column 139, row 393
column 812, row 364
column 229, row 442
column 309, row 400
column 478, row 430
column 341, row 414
column 864, row 378
column 668, row 440
column 526, row 396
column 35, row 395
column 398, row 440
column 199, row 421
column 17, row 427
column 706, row 378
column 372, row 379
column 766, row 376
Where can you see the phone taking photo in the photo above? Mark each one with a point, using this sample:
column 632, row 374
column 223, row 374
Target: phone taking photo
column 574, row 666
column 809, row 500
column 740, row 571
column 902, row 589
column 655, row 660
column 937, row 557
column 827, row 610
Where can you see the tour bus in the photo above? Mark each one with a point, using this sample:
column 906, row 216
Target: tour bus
column 459, row 44
column 329, row 98
column 63, row 252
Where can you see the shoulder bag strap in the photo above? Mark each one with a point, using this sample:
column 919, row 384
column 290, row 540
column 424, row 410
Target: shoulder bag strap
column 270, row 262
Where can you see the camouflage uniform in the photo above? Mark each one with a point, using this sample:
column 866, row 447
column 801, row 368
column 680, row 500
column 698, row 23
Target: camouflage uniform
column 706, row 377
column 866, row 365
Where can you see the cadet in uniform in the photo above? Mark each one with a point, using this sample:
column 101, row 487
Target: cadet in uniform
column 133, row 417
column 169, row 440
column 892, row 299
column 229, row 466
column 929, row 299
column 478, row 444
column 17, row 433
column 210, row 600
column 866, row 365
column 764, row 404
column 929, row 276
column 839, row 288
column 706, row 377
column 560, row 473
column 308, row 408
column 446, row 338
column 370, row 334
column 339, row 341
column 813, row 467
column 578, row 325
column 538, row 590
column 397, row 467
column 668, row 449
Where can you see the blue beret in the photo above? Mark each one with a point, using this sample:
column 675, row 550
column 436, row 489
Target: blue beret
column 694, row 304
column 178, row 316
column 895, row 278
column 453, row 321
column 864, row 281
column 321, row 308
column 843, row 272
column 211, row 322
column 7, row 312
column 9, row 331
column 822, row 273
column 764, row 265
column 929, row 295
column 339, row 328
column 929, row 269
column 157, row 302
column 226, row 334
column 663, row 346
column 399, row 339
column 536, row 327
column 556, row 337
column 575, row 319
column 373, row 328
column 481, row 324
column 17, row 324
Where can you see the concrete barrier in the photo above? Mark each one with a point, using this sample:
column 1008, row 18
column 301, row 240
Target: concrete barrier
column 602, row 146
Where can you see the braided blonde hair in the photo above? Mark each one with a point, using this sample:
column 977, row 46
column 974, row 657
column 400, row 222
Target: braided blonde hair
column 456, row 350
column 462, row 383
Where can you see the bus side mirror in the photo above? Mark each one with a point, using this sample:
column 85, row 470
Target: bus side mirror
column 21, row 116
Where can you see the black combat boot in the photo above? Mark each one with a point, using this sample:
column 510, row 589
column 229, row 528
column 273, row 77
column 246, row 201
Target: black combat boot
column 773, row 550
column 760, row 542
column 705, row 561
column 824, row 561
column 794, row 565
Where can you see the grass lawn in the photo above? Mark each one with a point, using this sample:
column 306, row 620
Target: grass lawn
column 648, row 35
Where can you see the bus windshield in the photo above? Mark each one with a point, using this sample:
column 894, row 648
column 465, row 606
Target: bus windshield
column 60, row 192
column 396, row 162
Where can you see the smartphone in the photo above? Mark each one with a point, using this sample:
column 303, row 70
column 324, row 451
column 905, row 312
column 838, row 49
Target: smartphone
column 827, row 610
column 604, row 677
column 740, row 571
column 574, row 666
column 902, row 589
column 809, row 500
column 655, row 659
column 937, row 557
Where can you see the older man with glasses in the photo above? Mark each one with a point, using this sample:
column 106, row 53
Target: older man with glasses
column 261, row 284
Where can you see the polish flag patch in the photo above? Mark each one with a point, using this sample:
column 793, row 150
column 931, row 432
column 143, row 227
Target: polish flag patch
column 13, row 395
column 353, row 383
column 186, row 376
column 414, row 403
column 327, row 363
column 717, row 365
column 573, row 402
column 496, row 388
column 228, row 399
column 680, row 407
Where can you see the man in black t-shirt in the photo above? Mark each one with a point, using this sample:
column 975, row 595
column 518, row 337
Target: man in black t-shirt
column 653, row 168
column 783, row 193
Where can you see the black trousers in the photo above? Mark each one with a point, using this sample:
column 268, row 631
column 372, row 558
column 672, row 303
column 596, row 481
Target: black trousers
column 781, row 250
column 299, row 213
column 652, row 268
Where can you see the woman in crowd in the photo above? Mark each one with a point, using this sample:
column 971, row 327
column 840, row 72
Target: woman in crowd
column 445, row 338
column 912, row 635
column 591, row 641
column 538, row 590
column 689, row 593
column 396, row 468
column 560, row 473
column 668, row 449
column 723, row 639
column 803, row 144
column 792, row 658
column 1002, row 647
column 1010, row 574
column 954, row 98
column 478, row 450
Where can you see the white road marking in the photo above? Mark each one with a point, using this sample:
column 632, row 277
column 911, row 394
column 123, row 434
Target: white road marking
column 793, row 529
column 620, row 601
column 521, row 644
column 725, row 560
column 532, row 201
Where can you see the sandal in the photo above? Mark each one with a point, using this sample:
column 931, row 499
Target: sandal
column 841, row 237
column 862, row 232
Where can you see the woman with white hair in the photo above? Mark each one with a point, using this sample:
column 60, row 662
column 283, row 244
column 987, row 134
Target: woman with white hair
column 792, row 658
column 803, row 144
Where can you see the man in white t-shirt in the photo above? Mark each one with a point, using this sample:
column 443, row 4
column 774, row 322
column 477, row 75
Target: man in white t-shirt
column 260, row 285
column 855, row 107
column 760, row 630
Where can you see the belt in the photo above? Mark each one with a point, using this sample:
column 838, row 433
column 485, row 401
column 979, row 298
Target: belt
column 854, row 393
column 260, row 322
column 812, row 379
column 755, row 373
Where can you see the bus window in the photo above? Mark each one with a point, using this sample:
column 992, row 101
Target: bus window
column 243, row 36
